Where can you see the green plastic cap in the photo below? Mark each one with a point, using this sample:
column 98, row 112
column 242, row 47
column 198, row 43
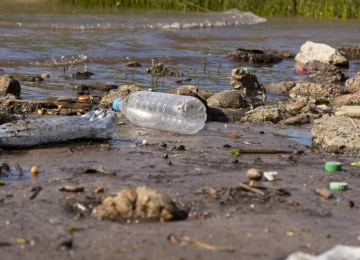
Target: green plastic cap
column 333, row 166
column 338, row 185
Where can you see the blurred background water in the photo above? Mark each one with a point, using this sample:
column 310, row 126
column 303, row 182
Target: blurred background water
column 41, row 37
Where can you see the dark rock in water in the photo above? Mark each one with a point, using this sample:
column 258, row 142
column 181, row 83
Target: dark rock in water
column 351, row 53
column 282, row 87
column 326, row 72
column 161, row 70
column 256, row 56
column 82, row 75
column 33, row 79
column 6, row 118
column 2, row 71
column 132, row 64
column 8, row 85
column 80, row 88
column 282, row 54
column 352, row 85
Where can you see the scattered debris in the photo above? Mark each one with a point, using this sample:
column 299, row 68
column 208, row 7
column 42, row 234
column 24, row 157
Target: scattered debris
column 324, row 192
column 72, row 188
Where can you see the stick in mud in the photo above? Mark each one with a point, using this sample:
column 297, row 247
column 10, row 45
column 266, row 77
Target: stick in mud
column 269, row 151
column 255, row 190
column 209, row 247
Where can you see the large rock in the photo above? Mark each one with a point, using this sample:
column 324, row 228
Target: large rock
column 325, row 72
column 311, row 51
column 227, row 99
column 122, row 92
column 349, row 111
column 255, row 56
column 264, row 114
column 25, row 106
column 282, row 87
column 351, row 53
column 8, row 85
column 337, row 134
column 307, row 91
column 352, row 85
column 348, row 100
column 247, row 83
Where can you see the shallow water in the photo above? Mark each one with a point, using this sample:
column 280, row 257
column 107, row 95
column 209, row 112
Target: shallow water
column 38, row 37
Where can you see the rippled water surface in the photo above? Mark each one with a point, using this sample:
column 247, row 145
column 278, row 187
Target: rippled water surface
column 38, row 37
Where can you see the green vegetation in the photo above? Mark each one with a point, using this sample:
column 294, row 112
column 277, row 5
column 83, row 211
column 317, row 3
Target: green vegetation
column 310, row 8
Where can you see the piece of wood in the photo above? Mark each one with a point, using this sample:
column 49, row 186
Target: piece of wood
column 255, row 190
column 268, row 151
column 324, row 192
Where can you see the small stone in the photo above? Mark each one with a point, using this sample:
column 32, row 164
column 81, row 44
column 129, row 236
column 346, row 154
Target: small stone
column 144, row 142
column 232, row 136
column 254, row 174
column 34, row 170
column 99, row 190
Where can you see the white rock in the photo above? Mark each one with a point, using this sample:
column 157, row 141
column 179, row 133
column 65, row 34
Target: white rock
column 311, row 51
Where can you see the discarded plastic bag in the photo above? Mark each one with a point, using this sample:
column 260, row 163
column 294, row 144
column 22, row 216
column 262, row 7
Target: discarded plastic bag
column 99, row 124
column 336, row 253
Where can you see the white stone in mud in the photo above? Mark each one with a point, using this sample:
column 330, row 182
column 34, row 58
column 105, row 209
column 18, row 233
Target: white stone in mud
column 311, row 51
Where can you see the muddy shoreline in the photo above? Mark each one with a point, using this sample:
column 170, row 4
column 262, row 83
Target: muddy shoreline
column 52, row 224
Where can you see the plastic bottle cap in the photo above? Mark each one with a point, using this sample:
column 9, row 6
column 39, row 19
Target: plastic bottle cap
column 338, row 185
column 117, row 104
column 333, row 166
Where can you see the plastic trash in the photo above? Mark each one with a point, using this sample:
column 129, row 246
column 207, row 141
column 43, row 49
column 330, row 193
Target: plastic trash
column 168, row 112
column 339, row 252
column 99, row 124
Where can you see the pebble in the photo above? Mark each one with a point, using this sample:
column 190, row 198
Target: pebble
column 254, row 174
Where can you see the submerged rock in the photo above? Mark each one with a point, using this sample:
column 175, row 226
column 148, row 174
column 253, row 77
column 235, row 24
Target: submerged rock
column 337, row 134
column 352, row 85
column 256, row 56
column 311, row 51
column 83, row 75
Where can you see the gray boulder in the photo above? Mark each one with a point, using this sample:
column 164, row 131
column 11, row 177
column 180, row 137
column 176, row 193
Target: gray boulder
column 227, row 99
column 307, row 91
column 282, row 87
column 8, row 85
column 311, row 51
column 352, row 85
column 335, row 134
column 247, row 83
column 348, row 100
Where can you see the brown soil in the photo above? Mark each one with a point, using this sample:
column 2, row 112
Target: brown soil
column 40, row 221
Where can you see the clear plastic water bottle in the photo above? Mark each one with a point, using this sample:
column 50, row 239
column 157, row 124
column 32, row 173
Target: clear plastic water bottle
column 168, row 112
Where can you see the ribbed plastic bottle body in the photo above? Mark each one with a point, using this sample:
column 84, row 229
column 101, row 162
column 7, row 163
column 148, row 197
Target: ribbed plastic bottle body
column 168, row 112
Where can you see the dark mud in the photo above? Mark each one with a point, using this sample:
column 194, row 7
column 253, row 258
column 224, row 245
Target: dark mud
column 40, row 221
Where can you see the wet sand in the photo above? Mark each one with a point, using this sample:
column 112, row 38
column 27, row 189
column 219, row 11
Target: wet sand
column 48, row 223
